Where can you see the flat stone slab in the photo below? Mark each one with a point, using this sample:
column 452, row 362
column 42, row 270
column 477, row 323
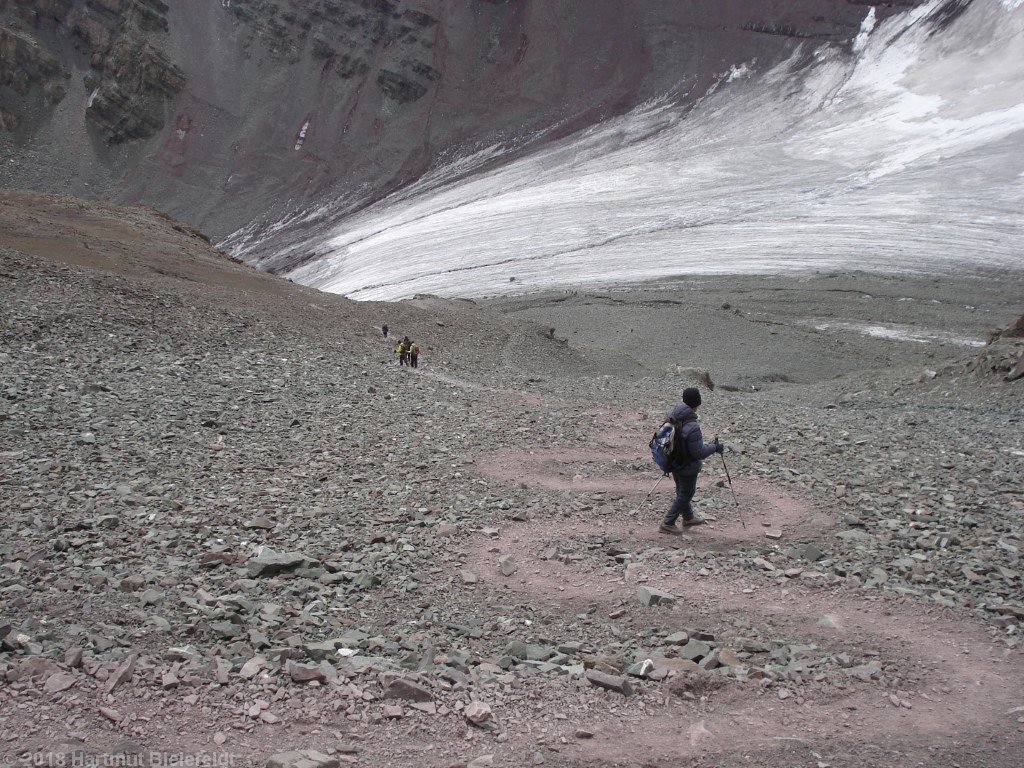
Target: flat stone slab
column 653, row 596
column 269, row 562
column 305, row 673
column 407, row 690
column 865, row 672
column 609, row 682
column 695, row 649
column 675, row 665
column 59, row 682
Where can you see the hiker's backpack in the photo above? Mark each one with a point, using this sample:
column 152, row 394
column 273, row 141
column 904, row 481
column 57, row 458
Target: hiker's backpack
column 668, row 448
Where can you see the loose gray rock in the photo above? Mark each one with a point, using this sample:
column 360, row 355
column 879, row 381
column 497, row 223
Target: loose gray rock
column 865, row 672
column 478, row 713
column 609, row 682
column 652, row 596
column 305, row 673
column 304, row 758
column 73, row 657
column 252, row 667
column 811, row 553
column 59, row 682
column 407, row 690
column 694, row 650
column 269, row 562
column 122, row 674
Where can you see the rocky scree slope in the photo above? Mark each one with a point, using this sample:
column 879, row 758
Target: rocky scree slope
column 222, row 113
column 220, row 491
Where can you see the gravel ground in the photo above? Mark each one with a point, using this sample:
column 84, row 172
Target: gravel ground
column 234, row 527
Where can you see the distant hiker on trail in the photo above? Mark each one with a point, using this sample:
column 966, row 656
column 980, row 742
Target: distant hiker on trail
column 384, row 330
column 692, row 449
column 414, row 355
column 401, row 351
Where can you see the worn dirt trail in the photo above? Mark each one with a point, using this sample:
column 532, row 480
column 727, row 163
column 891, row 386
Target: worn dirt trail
column 953, row 688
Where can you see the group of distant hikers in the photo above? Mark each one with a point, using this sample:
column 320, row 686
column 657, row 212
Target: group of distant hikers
column 407, row 352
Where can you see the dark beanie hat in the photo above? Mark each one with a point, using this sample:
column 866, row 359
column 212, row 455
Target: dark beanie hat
column 691, row 396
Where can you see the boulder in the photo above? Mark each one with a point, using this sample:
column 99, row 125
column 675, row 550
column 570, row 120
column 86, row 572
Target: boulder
column 268, row 562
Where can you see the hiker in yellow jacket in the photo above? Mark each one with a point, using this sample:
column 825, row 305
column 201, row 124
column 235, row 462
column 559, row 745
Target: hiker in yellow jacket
column 401, row 351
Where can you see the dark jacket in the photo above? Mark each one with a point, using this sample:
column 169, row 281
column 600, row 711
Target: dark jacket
column 693, row 439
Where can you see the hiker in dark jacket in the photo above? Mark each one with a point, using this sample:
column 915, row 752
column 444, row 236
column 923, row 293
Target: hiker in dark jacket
column 685, row 474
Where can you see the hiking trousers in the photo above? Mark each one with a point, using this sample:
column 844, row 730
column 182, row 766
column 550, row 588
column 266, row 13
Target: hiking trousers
column 686, row 487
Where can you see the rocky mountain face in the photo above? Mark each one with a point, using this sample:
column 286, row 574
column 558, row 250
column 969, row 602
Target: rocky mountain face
column 129, row 79
column 221, row 113
column 1004, row 353
column 29, row 77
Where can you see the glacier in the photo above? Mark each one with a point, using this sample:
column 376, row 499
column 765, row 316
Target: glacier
column 902, row 152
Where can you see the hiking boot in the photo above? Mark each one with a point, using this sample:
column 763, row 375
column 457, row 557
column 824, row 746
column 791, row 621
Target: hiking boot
column 666, row 528
column 695, row 520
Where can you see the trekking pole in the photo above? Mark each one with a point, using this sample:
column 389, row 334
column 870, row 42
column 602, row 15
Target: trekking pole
column 649, row 493
column 728, row 477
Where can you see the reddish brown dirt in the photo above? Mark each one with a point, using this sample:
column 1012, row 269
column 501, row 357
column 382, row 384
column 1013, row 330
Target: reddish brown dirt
column 101, row 236
column 953, row 686
column 758, row 508
column 951, row 670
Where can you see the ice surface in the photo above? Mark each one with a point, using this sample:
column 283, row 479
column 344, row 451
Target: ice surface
column 866, row 27
column 905, row 155
column 896, row 332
